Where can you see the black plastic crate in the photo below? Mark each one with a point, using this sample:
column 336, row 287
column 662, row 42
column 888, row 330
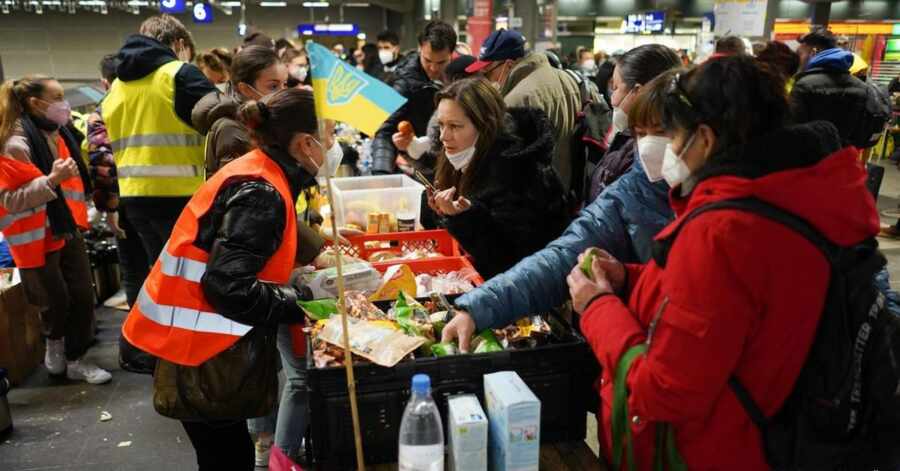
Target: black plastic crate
column 559, row 374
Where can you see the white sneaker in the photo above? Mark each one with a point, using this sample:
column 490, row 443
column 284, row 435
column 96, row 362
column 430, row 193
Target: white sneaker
column 263, row 450
column 55, row 357
column 83, row 371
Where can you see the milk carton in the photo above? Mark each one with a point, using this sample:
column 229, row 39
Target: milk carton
column 467, row 432
column 515, row 423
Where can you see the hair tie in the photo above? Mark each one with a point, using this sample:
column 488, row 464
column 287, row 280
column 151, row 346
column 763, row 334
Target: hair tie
column 263, row 110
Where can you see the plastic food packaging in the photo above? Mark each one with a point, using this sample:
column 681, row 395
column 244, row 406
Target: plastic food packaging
column 397, row 279
column 357, row 276
column 377, row 343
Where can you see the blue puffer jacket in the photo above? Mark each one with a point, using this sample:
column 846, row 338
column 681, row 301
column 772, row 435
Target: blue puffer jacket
column 622, row 221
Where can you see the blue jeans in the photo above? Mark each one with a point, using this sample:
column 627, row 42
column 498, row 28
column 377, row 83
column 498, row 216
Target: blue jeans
column 290, row 419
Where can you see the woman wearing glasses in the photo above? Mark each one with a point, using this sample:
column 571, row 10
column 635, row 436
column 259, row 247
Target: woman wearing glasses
column 725, row 300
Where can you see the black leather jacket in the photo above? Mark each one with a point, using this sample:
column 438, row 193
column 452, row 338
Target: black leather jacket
column 413, row 83
column 241, row 233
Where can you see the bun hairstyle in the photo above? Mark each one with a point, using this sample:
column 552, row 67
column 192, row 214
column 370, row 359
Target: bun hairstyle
column 275, row 119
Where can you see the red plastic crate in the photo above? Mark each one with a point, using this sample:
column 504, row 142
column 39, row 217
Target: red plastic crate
column 434, row 266
column 437, row 240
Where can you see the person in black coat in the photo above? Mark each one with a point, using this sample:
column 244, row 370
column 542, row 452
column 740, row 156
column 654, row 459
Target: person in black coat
column 417, row 79
column 498, row 193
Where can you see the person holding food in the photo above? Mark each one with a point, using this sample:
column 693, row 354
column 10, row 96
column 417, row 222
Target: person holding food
column 219, row 299
column 497, row 191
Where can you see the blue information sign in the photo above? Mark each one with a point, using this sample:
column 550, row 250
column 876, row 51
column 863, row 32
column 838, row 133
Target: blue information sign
column 203, row 13
column 171, row 6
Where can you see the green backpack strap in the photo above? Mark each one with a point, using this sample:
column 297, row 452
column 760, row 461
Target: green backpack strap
column 666, row 455
column 621, row 431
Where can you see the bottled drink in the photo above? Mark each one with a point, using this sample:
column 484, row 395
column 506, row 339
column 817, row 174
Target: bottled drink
column 421, row 432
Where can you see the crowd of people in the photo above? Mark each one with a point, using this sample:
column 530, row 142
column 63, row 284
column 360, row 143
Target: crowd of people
column 200, row 160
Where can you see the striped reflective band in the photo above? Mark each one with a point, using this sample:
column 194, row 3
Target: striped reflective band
column 190, row 270
column 74, row 195
column 187, row 318
column 26, row 237
column 159, row 171
column 157, row 140
column 7, row 220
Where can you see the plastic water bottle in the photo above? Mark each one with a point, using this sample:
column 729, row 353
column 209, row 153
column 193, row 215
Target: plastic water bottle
column 421, row 432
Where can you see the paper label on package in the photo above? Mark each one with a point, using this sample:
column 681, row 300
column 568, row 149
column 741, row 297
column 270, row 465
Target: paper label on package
column 377, row 343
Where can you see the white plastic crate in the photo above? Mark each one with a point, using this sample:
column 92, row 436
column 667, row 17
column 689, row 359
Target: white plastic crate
column 356, row 197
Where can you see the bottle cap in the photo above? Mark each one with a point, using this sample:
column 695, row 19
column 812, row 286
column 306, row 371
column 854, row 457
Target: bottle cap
column 421, row 384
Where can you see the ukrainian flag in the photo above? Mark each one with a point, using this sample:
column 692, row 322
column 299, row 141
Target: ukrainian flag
column 345, row 94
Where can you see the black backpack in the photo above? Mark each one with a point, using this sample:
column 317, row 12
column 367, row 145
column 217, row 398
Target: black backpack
column 588, row 144
column 844, row 411
column 873, row 117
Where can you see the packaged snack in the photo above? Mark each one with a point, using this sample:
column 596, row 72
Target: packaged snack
column 486, row 342
column 377, row 343
column 397, row 279
column 444, row 349
column 357, row 276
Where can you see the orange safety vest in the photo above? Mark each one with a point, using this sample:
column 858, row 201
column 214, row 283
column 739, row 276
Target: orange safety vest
column 27, row 232
column 73, row 189
column 172, row 318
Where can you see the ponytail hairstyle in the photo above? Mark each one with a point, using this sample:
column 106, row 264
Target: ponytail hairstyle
column 14, row 95
column 276, row 118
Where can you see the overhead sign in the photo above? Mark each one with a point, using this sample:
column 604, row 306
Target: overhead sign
column 649, row 22
column 740, row 17
column 172, row 6
column 333, row 29
column 203, row 13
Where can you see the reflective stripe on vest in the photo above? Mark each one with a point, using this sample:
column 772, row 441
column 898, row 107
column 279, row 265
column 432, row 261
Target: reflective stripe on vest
column 159, row 171
column 172, row 318
column 74, row 195
column 157, row 140
column 27, row 237
column 7, row 220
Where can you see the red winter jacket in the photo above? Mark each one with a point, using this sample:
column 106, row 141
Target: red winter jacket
column 740, row 295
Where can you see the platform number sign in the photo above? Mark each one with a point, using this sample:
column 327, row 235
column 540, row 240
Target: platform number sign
column 171, row 6
column 203, row 13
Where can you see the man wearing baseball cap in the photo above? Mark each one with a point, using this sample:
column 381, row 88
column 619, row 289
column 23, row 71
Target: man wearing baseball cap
column 528, row 80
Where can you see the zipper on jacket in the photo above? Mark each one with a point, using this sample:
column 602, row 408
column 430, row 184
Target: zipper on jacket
column 652, row 329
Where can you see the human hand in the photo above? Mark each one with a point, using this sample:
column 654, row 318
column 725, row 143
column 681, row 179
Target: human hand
column 583, row 290
column 461, row 327
column 614, row 269
column 402, row 140
column 113, row 220
column 63, row 169
column 450, row 206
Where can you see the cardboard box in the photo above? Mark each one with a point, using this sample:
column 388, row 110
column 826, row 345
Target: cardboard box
column 515, row 423
column 467, row 433
column 21, row 343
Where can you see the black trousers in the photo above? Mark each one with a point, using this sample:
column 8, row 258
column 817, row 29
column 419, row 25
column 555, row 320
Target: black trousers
column 153, row 219
column 221, row 446
column 132, row 258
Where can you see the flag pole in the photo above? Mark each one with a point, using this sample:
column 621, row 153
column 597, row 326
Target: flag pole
column 348, row 354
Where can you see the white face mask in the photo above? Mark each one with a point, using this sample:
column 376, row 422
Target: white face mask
column 300, row 72
column 461, row 159
column 386, row 56
column 588, row 65
column 674, row 170
column 620, row 117
column 333, row 158
column 222, row 87
column 652, row 151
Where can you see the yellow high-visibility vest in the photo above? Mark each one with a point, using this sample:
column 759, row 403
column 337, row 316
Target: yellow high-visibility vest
column 156, row 153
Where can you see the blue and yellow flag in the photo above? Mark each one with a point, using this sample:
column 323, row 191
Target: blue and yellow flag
column 345, row 94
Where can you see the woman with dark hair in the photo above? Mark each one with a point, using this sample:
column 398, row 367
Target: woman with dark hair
column 43, row 187
column 722, row 301
column 633, row 70
column 215, row 65
column 256, row 71
column 219, row 299
column 498, row 192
